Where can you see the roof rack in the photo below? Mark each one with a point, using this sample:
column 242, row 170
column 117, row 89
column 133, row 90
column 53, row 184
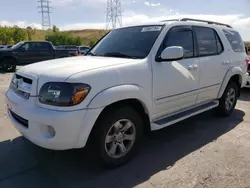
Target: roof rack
column 197, row 20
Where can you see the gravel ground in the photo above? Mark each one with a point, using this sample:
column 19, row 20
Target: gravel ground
column 203, row 151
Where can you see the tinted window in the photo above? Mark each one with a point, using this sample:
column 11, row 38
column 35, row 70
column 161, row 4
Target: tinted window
column 134, row 42
column 208, row 41
column 183, row 38
column 27, row 46
column 219, row 44
column 235, row 40
column 44, row 46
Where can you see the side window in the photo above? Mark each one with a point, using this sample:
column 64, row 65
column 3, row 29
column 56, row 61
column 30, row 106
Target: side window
column 220, row 47
column 25, row 46
column 183, row 38
column 45, row 46
column 208, row 41
column 235, row 40
column 28, row 46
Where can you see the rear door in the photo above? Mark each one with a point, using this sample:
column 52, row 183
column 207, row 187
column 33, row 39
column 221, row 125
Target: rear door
column 44, row 51
column 214, row 61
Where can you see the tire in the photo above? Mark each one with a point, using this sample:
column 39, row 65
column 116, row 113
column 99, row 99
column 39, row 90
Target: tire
column 225, row 107
column 9, row 65
column 107, row 139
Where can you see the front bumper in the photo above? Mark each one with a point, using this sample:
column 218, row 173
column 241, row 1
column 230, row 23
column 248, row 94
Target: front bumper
column 57, row 130
column 245, row 80
column 248, row 82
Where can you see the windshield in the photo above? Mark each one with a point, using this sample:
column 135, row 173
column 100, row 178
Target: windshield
column 17, row 45
column 132, row 42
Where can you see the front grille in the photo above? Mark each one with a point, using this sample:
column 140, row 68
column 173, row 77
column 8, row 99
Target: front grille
column 19, row 119
column 26, row 80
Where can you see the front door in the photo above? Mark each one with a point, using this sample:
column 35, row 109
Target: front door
column 176, row 83
column 26, row 53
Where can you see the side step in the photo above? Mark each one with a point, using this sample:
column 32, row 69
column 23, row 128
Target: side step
column 177, row 117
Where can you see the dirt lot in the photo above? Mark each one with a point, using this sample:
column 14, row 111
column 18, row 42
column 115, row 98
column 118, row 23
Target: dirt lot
column 203, row 151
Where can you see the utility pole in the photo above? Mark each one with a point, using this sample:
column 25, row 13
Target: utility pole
column 114, row 14
column 45, row 10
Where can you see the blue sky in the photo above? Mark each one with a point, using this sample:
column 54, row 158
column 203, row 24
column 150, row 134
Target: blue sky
column 81, row 14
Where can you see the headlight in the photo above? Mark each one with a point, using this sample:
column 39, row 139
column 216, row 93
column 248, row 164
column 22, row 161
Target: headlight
column 63, row 94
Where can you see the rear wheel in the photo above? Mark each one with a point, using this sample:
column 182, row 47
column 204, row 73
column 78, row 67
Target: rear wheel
column 9, row 65
column 228, row 100
column 116, row 137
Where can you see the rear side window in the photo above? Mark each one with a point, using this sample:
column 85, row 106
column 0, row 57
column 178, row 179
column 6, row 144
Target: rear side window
column 235, row 40
column 208, row 41
column 44, row 46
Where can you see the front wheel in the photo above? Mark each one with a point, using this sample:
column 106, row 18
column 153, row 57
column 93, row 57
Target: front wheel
column 228, row 100
column 117, row 136
column 9, row 65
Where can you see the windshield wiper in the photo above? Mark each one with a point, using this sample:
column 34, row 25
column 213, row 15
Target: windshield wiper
column 90, row 53
column 118, row 54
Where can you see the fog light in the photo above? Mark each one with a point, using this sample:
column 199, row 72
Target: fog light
column 51, row 131
column 48, row 131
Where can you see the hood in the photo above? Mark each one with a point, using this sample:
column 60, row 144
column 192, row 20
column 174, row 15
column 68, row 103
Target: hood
column 65, row 67
column 5, row 49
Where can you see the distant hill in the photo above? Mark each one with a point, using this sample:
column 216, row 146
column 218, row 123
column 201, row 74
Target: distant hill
column 88, row 35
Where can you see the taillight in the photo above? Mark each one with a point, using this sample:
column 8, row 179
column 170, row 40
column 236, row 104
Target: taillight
column 247, row 63
column 247, row 60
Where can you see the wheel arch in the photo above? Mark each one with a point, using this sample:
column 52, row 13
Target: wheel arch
column 119, row 96
column 136, row 104
column 7, row 57
column 234, row 74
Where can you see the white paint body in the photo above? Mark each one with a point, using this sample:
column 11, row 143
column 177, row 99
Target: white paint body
column 162, row 87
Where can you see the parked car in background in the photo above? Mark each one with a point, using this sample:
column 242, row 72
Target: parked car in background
column 8, row 46
column 29, row 52
column 73, row 49
column 1, row 46
column 84, row 49
column 136, row 79
column 248, row 69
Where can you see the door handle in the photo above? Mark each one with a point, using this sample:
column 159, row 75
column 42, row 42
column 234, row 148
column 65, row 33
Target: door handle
column 193, row 67
column 226, row 62
column 15, row 53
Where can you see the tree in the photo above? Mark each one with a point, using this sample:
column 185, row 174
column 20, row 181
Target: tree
column 30, row 32
column 92, row 43
column 55, row 29
column 18, row 34
column 63, row 38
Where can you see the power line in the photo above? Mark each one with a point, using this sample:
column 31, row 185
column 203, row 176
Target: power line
column 114, row 14
column 45, row 10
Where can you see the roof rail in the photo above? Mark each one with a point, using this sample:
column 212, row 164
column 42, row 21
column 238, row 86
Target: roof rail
column 197, row 20
column 206, row 21
column 170, row 20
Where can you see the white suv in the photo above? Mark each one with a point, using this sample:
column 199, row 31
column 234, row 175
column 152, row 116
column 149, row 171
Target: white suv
column 135, row 79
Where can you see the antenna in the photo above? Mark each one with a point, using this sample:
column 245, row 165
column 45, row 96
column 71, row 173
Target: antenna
column 114, row 14
column 45, row 9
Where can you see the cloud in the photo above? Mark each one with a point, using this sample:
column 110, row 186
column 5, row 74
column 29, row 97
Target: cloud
column 152, row 4
column 64, row 3
column 21, row 24
column 238, row 21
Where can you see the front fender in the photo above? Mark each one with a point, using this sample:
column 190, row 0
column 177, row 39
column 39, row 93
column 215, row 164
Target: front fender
column 119, row 93
column 230, row 73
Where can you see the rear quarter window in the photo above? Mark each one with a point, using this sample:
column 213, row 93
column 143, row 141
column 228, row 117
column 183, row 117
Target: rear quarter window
column 235, row 40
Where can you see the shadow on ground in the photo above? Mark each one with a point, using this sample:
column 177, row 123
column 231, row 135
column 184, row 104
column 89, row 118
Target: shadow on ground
column 23, row 164
column 245, row 94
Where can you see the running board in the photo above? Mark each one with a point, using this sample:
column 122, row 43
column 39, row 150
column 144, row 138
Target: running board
column 177, row 117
